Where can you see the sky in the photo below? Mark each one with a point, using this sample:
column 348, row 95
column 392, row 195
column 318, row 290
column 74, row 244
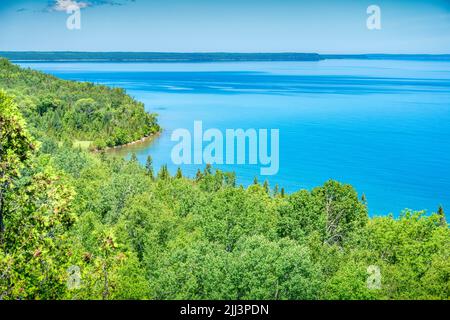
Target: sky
column 321, row 26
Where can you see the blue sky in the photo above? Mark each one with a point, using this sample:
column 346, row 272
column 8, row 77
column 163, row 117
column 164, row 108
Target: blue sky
column 323, row 26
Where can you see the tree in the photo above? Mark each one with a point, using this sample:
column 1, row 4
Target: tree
column 363, row 198
column 276, row 270
column 163, row 173
column 16, row 147
column 230, row 179
column 275, row 190
column 266, row 186
column 341, row 211
column 208, row 170
column 198, row 175
column 34, row 215
column 35, row 253
column 149, row 167
column 441, row 214
column 411, row 251
column 179, row 173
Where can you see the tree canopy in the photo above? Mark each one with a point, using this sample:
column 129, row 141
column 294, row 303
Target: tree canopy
column 79, row 112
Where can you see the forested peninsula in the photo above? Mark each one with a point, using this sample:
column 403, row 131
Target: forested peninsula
column 82, row 113
column 81, row 225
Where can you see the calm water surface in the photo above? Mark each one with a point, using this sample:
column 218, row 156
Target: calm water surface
column 382, row 126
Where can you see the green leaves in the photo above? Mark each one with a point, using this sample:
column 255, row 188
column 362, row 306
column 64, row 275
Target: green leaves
column 16, row 145
column 34, row 215
column 61, row 110
column 206, row 239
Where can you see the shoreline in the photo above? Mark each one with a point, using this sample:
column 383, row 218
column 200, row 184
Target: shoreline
column 129, row 144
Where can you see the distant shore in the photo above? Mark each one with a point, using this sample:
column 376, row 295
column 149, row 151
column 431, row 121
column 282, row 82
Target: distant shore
column 156, row 57
column 171, row 57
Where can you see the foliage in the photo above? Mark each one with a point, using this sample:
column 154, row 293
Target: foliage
column 35, row 214
column 136, row 235
column 96, row 115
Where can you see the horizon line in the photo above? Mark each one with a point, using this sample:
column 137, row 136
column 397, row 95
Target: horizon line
column 219, row 52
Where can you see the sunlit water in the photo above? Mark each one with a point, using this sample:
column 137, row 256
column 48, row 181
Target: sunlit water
column 382, row 126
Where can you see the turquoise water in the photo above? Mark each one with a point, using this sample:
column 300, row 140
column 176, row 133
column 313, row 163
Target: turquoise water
column 382, row 126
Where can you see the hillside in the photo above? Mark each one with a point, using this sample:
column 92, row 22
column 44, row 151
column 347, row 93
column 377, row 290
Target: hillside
column 82, row 113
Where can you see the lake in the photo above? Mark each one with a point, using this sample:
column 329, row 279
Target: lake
column 381, row 125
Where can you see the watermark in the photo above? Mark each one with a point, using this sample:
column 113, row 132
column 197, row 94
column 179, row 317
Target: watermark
column 235, row 146
column 374, row 20
column 74, row 278
column 73, row 22
column 374, row 278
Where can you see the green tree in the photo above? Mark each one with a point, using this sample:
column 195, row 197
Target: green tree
column 149, row 167
column 266, row 186
column 163, row 173
column 341, row 211
column 16, row 147
column 198, row 175
column 35, row 215
column 230, row 179
column 363, row 198
column 208, row 170
column 441, row 214
column 179, row 173
column 275, row 190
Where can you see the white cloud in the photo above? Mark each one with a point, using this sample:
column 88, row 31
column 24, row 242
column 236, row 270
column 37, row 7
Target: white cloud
column 64, row 5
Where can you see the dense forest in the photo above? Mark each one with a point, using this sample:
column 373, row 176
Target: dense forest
column 83, row 113
column 81, row 225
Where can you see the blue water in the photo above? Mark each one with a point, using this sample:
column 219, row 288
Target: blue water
column 382, row 126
